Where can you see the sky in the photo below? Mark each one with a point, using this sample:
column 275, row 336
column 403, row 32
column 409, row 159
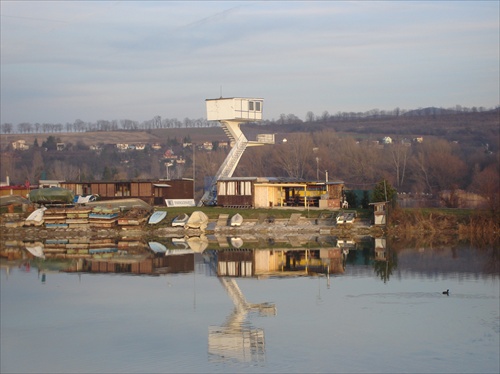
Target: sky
column 106, row 60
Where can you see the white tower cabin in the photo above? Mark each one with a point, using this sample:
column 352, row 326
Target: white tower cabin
column 231, row 112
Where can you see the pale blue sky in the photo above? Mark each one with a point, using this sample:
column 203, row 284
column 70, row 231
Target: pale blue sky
column 67, row 60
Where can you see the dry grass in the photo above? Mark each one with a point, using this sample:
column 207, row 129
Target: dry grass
column 423, row 226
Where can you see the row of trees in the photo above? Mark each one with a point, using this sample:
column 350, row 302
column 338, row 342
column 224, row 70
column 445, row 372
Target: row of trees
column 158, row 122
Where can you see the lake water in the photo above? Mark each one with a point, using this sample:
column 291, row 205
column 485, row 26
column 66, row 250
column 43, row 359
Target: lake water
column 372, row 315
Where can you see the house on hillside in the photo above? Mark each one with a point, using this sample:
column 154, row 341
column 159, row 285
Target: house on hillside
column 20, row 145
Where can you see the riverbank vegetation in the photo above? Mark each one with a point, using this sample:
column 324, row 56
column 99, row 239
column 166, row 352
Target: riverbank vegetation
column 439, row 225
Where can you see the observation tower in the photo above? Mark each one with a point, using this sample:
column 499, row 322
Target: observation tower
column 231, row 112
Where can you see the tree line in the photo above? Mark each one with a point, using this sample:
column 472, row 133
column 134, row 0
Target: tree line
column 157, row 122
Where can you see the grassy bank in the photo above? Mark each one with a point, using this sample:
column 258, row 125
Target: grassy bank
column 463, row 224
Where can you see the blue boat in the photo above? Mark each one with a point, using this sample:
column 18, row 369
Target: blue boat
column 157, row 217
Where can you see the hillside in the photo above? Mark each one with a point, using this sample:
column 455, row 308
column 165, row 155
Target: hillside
column 197, row 135
column 474, row 128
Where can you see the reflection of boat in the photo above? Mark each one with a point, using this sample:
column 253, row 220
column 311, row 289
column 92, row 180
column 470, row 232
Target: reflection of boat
column 36, row 217
column 236, row 242
column 197, row 243
column 177, row 252
column 36, row 249
column 180, row 242
column 198, row 220
column 236, row 220
column 180, row 220
column 157, row 217
column 157, row 247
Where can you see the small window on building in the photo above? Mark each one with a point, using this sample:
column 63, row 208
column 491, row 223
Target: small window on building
column 257, row 106
column 250, row 105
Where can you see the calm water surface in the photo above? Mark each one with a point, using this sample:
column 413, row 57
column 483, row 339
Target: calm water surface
column 357, row 321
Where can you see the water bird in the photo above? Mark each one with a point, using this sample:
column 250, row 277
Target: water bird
column 447, row 292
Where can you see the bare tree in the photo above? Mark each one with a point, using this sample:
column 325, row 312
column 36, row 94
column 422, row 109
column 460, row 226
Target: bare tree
column 437, row 166
column 399, row 152
column 487, row 184
column 309, row 116
column 7, row 128
column 294, row 155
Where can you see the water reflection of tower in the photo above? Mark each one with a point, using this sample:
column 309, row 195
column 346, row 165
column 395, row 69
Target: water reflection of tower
column 236, row 339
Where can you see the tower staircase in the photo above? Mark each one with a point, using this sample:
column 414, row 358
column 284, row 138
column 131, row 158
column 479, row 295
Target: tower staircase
column 229, row 165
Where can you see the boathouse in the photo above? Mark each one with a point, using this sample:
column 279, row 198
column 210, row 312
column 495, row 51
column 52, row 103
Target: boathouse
column 153, row 192
column 260, row 192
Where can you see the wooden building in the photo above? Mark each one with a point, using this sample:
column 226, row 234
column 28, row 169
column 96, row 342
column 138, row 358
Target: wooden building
column 154, row 192
column 259, row 192
column 379, row 212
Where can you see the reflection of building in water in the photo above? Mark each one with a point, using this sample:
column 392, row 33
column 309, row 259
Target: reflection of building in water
column 236, row 339
column 157, row 265
column 265, row 262
column 294, row 256
column 380, row 249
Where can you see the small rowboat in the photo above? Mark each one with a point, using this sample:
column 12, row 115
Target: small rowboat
column 36, row 218
column 236, row 220
column 157, row 217
column 180, row 220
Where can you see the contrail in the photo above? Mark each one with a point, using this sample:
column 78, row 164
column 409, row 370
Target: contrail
column 210, row 18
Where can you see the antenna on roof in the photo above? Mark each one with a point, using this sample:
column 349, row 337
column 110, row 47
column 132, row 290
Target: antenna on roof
column 221, row 91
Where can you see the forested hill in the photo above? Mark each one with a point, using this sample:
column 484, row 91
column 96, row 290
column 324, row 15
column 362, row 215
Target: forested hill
column 472, row 127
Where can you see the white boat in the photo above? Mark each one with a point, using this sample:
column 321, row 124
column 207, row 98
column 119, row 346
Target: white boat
column 157, row 247
column 157, row 217
column 236, row 220
column 36, row 217
column 36, row 249
column 180, row 220
column 80, row 199
column 198, row 220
